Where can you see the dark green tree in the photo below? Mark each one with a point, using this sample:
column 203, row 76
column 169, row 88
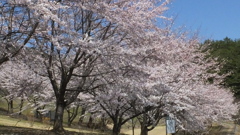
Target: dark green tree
column 227, row 54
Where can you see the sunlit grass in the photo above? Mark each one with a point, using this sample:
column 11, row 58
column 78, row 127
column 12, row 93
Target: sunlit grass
column 28, row 122
column 8, row 121
column 159, row 130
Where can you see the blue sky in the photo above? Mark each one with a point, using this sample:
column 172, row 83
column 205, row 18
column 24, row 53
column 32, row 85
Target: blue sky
column 214, row 19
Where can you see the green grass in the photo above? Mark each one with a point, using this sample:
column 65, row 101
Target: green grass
column 159, row 130
column 223, row 128
column 29, row 111
column 9, row 121
column 16, row 106
column 29, row 122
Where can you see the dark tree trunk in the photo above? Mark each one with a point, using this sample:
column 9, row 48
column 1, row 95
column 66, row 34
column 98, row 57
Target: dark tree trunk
column 10, row 105
column 116, row 127
column 21, row 106
column 58, row 122
column 90, row 122
column 144, row 130
column 7, row 104
column 143, row 123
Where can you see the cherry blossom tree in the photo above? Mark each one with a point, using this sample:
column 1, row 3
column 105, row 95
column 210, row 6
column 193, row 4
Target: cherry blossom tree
column 192, row 101
column 125, row 100
column 75, row 42
column 17, row 26
column 19, row 21
column 22, row 83
column 113, row 50
column 169, row 80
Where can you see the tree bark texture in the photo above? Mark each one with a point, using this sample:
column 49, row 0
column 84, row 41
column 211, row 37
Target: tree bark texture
column 144, row 128
column 58, row 122
column 116, row 128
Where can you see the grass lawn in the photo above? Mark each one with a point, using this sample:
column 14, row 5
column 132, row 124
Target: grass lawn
column 27, row 120
column 25, row 125
column 28, row 127
column 159, row 130
column 8, row 123
column 224, row 128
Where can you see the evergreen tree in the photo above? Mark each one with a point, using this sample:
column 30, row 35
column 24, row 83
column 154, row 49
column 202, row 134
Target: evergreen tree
column 227, row 54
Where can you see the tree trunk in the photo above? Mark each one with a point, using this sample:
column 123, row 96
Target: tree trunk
column 116, row 128
column 8, row 110
column 82, row 117
column 90, row 122
column 143, row 123
column 69, row 117
column 58, row 122
column 72, row 115
column 103, row 124
column 21, row 106
column 133, row 126
column 144, row 130
column 10, row 106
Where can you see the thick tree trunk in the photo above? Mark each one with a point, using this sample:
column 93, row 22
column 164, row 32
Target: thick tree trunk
column 116, row 128
column 58, row 122
column 144, row 130
column 143, row 123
